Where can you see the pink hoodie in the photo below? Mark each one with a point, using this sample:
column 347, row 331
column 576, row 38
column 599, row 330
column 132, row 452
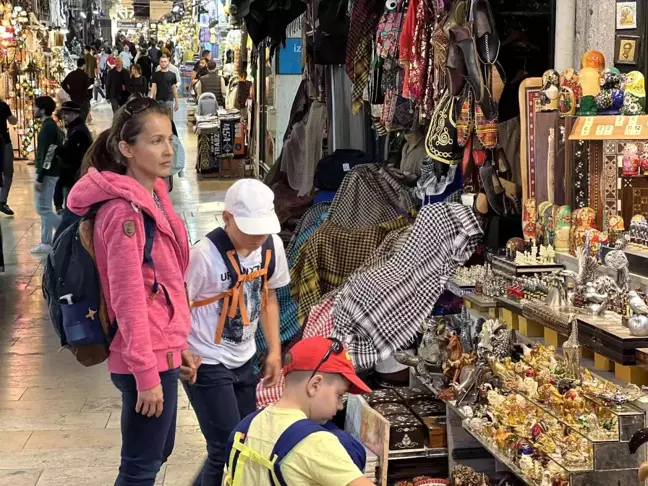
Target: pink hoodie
column 151, row 333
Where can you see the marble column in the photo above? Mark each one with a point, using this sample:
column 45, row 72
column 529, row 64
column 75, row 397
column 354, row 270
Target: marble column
column 595, row 26
column 565, row 33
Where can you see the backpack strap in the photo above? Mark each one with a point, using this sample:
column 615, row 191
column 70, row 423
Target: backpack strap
column 354, row 448
column 287, row 441
column 225, row 247
column 236, row 439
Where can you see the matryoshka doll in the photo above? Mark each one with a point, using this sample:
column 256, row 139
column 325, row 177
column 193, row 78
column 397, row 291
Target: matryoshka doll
column 593, row 59
column 570, row 92
column 550, row 90
column 615, row 226
column 549, row 224
column 643, row 161
column 582, row 220
column 610, row 100
column 530, row 220
column 542, row 235
column 634, row 97
column 591, row 86
column 594, row 241
column 630, row 160
column 562, row 225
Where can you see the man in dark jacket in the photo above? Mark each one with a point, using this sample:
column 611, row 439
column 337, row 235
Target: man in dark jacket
column 71, row 153
column 76, row 84
column 154, row 53
column 146, row 64
column 117, row 85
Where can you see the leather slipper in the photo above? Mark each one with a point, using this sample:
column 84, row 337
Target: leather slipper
column 495, row 200
column 481, row 203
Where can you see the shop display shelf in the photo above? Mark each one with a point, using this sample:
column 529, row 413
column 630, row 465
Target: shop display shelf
column 424, row 453
column 512, row 269
column 459, row 290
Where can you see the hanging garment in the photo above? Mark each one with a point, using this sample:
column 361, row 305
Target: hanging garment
column 420, row 49
column 372, row 194
column 288, row 325
column 413, row 153
column 379, row 311
column 441, row 141
column 300, row 166
column 329, row 256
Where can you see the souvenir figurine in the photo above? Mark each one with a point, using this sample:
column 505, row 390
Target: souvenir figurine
column 572, row 351
column 569, row 79
column 562, row 226
column 567, row 105
column 593, row 59
column 550, row 90
column 541, row 233
column 529, row 220
column 610, row 100
column 591, row 86
column 630, row 160
column 634, row 98
column 513, row 246
column 549, row 224
column 582, row 220
column 637, row 223
column 615, row 227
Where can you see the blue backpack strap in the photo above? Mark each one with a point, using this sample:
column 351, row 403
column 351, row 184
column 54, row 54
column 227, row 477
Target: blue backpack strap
column 224, row 245
column 292, row 436
column 242, row 427
column 268, row 245
column 354, row 448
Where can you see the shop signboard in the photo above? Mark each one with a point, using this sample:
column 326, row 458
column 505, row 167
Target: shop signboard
column 289, row 58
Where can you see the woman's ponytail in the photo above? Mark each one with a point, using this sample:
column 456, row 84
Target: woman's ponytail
column 102, row 157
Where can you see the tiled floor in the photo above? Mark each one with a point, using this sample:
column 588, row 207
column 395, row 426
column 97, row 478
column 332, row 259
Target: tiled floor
column 59, row 421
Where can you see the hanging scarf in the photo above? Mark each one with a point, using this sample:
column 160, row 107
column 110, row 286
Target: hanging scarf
column 419, row 52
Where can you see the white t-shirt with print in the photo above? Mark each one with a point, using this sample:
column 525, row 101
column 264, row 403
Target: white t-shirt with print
column 207, row 277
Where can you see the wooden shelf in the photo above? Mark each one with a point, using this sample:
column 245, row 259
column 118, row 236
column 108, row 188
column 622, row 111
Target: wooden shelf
column 610, row 127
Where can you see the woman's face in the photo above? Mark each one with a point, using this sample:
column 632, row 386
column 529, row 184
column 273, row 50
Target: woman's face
column 152, row 152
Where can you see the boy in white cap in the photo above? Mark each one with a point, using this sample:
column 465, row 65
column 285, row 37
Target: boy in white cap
column 231, row 282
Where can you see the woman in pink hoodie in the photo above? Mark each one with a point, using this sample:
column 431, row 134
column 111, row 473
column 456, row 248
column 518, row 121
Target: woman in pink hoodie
column 123, row 172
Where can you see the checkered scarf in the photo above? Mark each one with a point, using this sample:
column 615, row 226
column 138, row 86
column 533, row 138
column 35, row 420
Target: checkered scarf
column 288, row 325
column 320, row 323
column 379, row 310
column 369, row 195
column 330, row 256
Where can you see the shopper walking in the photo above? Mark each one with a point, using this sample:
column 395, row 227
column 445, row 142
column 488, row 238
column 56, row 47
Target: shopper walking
column 76, row 84
column 71, row 153
column 145, row 63
column 212, row 83
column 319, row 373
column 154, row 53
column 47, row 170
column 138, row 83
column 7, row 157
column 164, row 86
column 123, row 171
column 126, row 57
column 90, row 63
column 231, row 282
column 117, row 85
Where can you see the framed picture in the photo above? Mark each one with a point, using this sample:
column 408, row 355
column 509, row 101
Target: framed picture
column 627, row 49
column 626, row 15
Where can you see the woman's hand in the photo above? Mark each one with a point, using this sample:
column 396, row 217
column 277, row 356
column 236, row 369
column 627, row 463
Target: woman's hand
column 150, row 402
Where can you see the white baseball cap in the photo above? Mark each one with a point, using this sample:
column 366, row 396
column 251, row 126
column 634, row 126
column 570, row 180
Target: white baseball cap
column 251, row 203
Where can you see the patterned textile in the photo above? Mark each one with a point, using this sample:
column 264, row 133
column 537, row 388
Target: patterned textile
column 420, row 52
column 288, row 325
column 371, row 194
column 330, row 256
column 486, row 129
column 361, row 74
column 320, row 323
column 379, row 311
column 465, row 121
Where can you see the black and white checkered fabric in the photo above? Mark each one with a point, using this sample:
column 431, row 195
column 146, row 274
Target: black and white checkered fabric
column 371, row 194
column 379, row 310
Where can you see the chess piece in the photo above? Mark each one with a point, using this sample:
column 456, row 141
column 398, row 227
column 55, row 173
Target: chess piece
column 550, row 90
column 634, row 98
column 572, row 351
column 563, row 226
column 551, row 255
column 543, row 254
column 593, row 59
column 591, row 86
column 630, row 160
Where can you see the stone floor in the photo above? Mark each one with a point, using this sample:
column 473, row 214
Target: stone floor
column 59, row 421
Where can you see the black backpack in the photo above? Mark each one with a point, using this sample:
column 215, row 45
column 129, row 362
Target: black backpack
column 72, row 289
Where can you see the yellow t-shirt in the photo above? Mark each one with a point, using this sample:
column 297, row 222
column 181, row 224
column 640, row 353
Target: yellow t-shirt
column 318, row 460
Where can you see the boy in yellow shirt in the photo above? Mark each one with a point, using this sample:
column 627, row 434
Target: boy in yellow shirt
column 283, row 444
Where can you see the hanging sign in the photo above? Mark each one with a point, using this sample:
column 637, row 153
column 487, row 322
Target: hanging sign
column 289, row 58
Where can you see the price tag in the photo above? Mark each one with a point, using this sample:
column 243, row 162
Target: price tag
column 609, row 129
column 633, row 120
column 585, row 130
column 619, row 121
column 589, row 121
column 633, row 130
column 600, row 130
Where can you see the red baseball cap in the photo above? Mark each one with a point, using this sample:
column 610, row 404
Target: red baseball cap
column 308, row 353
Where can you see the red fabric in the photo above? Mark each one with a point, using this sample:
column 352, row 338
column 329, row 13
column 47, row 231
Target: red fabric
column 148, row 328
column 405, row 43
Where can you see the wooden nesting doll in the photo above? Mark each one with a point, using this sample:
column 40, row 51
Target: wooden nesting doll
column 583, row 220
column 530, row 220
column 562, row 225
column 593, row 59
column 615, row 226
column 550, row 90
column 570, row 92
column 634, row 97
column 591, row 85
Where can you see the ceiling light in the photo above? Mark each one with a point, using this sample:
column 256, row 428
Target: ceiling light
column 83, row 15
